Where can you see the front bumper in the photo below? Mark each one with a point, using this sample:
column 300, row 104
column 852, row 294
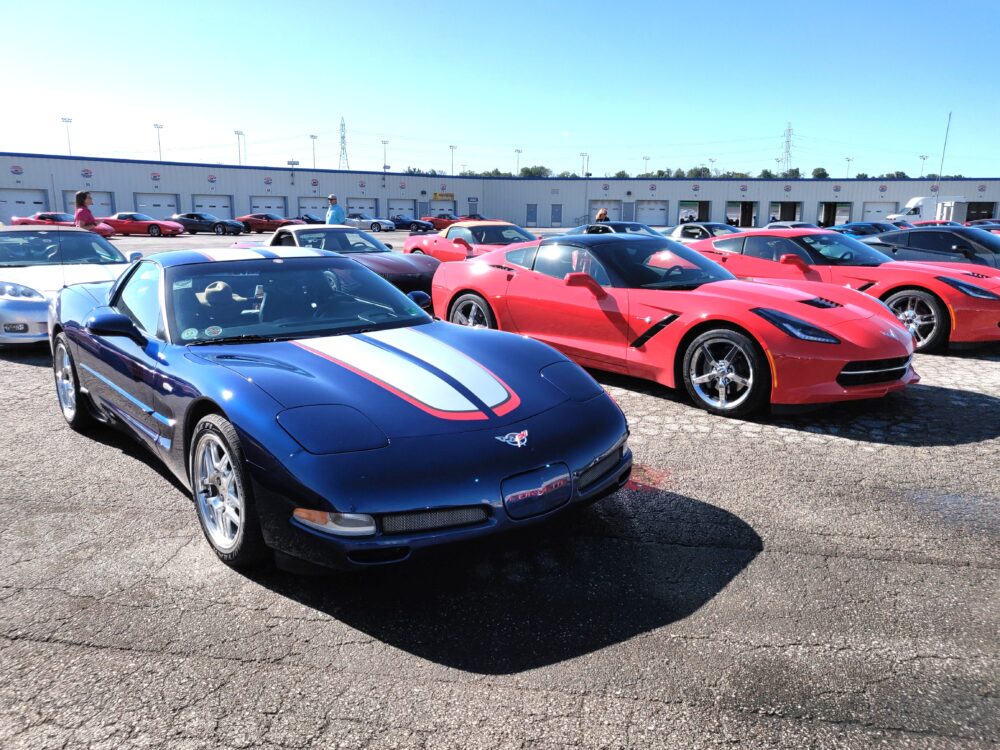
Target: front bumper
column 24, row 321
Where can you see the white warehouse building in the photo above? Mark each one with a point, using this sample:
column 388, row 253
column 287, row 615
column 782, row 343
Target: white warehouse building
column 37, row 182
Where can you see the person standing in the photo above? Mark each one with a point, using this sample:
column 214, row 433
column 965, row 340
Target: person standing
column 335, row 213
column 602, row 216
column 83, row 217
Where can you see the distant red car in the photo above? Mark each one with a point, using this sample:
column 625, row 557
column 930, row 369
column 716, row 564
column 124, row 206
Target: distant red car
column 652, row 308
column 936, row 223
column 48, row 218
column 476, row 217
column 126, row 222
column 265, row 222
column 466, row 239
column 938, row 302
column 441, row 220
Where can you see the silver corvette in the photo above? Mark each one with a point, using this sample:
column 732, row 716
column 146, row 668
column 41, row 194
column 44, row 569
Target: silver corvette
column 364, row 221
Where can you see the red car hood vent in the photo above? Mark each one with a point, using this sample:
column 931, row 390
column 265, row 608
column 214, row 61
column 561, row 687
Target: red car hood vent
column 822, row 303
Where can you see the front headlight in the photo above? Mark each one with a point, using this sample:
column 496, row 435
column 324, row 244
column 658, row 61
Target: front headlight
column 970, row 289
column 10, row 290
column 324, row 429
column 340, row 524
column 797, row 329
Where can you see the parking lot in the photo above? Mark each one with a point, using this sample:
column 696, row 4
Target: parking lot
column 822, row 580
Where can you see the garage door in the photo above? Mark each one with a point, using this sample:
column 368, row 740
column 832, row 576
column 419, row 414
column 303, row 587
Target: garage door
column 217, row 205
column 614, row 209
column 272, row 204
column 361, row 206
column 878, row 211
column 313, row 204
column 157, row 205
column 104, row 203
column 16, row 202
column 400, row 206
column 439, row 206
column 653, row 213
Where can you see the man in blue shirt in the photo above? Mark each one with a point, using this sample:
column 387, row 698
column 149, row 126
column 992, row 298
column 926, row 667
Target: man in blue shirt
column 335, row 213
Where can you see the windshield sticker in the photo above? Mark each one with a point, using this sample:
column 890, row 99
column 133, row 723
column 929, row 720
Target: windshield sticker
column 189, row 333
column 182, row 284
column 213, row 331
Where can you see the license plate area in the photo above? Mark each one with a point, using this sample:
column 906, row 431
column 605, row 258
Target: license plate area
column 535, row 492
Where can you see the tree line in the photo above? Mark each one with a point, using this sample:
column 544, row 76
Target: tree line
column 698, row 173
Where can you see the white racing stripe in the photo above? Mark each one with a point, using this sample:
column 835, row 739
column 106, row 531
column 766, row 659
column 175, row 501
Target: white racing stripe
column 393, row 370
column 465, row 370
column 234, row 253
column 292, row 252
column 238, row 253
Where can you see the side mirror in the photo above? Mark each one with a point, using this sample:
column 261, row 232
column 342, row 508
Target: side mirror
column 791, row 259
column 133, row 257
column 462, row 243
column 421, row 300
column 113, row 324
column 388, row 245
column 586, row 281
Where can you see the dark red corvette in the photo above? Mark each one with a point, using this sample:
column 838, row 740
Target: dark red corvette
column 938, row 302
column 651, row 308
column 265, row 222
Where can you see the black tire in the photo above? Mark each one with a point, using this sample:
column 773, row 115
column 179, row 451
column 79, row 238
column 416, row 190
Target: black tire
column 154, row 230
column 248, row 547
column 414, row 227
column 192, row 231
column 260, row 231
column 744, row 361
column 247, row 228
column 218, row 229
column 78, row 414
column 472, row 310
column 927, row 337
column 416, row 252
column 376, row 227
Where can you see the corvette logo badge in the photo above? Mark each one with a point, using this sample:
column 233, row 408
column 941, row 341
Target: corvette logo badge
column 517, row 439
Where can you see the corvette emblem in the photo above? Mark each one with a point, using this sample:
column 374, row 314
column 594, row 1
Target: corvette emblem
column 517, row 439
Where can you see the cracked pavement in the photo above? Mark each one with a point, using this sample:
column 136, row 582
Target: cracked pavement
column 821, row 581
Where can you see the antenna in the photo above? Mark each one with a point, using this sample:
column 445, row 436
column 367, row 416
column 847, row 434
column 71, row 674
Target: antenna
column 786, row 157
column 941, row 168
column 343, row 145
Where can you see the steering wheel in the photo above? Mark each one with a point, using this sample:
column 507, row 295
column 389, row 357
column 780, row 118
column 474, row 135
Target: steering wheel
column 678, row 269
column 847, row 256
column 359, row 246
column 51, row 251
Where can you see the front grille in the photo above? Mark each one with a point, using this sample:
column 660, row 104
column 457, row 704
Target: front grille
column 821, row 302
column 601, row 469
column 429, row 520
column 867, row 372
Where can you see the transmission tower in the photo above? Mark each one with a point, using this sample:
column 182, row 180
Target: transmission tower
column 343, row 145
column 786, row 156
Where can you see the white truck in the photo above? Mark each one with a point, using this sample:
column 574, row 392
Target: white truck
column 925, row 207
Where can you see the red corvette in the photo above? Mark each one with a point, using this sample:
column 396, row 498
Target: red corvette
column 265, row 222
column 441, row 220
column 49, row 219
column 128, row 223
column 466, row 239
column 937, row 223
column 938, row 302
column 651, row 308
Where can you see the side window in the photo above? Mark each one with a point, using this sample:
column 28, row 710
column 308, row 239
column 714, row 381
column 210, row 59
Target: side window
column 693, row 233
column 932, row 241
column 523, row 257
column 554, row 260
column 772, row 248
column 732, row 245
column 461, row 232
column 140, row 298
column 585, row 262
column 899, row 239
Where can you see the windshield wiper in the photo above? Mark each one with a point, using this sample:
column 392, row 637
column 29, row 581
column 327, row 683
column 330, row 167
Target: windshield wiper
column 243, row 338
column 680, row 286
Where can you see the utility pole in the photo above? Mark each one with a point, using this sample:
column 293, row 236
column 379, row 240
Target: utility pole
column 292, row 163
column 385, row 160
column 517, row 168
column 712, row 162
column 923, row 161
column 238, row 134
column 584, row 160
column 787, row 155
column 158, row 146
column 343, row 145
column 66, row 122
column 314, row 137
column 645, row 165
column 848, row 159
column 453, row 159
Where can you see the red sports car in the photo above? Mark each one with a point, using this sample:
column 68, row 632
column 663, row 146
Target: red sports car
column 49, row 219
column 265, row 222
column 441, row 220
column 125, row 222
column 937, row 223
column 466, row 239
column 938, row 302
column 652, row 308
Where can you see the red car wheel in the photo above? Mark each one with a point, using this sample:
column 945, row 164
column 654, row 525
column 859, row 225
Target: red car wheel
column 726, row 373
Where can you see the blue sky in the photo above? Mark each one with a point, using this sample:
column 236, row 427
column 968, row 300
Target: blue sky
column 682, row 83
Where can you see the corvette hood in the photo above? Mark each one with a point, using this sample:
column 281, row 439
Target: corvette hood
column 424, row 380
column 50, row 279
column 394, row 263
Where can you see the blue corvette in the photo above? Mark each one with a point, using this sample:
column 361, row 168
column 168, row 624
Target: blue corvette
column 313, row 409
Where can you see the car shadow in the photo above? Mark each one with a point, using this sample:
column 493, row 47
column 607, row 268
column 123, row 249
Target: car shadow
column 586, row 580
column 987, row 352
column 127, row 445
column 35, row 355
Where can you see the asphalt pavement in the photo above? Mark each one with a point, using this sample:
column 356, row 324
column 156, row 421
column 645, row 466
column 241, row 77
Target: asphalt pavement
column 819, row 581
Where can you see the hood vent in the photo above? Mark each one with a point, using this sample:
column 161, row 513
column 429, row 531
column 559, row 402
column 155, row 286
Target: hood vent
column 821, row 303
column 975, row 275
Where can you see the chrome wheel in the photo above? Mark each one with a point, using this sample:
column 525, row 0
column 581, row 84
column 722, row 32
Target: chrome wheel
column 721, row 373
column 65, row 382
column 917, row 315
column 219, row 229
column 470, row 312
column 217, row 489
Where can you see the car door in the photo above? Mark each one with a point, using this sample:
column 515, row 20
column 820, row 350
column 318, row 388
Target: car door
column 123, row 371
column 587, row 325
column 760, row 257
column 931, row 245
column 445, row 249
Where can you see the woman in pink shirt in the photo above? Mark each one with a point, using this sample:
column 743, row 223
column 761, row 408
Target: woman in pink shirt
column 84, row 218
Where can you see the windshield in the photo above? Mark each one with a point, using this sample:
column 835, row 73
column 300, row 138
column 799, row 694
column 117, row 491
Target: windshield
column 280, row 299
column 53, row 248
column 341, row 242
column 984, row 235
column 659, row 265
column 272, row 217
column 721, row 230
column 56, row 217
column 402, row 217
column 209, row 217
column 840, row 250
column 141, row 217
column 499, row 235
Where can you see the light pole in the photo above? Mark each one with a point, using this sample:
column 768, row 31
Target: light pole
column 158, row 146
column 517, row 162
column 584, row 160
column 66, row 122
column 848, row 159
column 292, row 164
column 712, row 162
column 645, row 165
column 452, row 159
column 777, row 166
column 238, row 134
column 385, row 160
column 314, row 137
column 923, row 161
